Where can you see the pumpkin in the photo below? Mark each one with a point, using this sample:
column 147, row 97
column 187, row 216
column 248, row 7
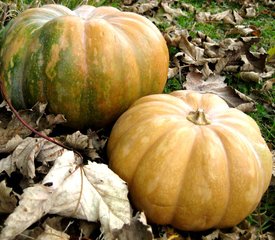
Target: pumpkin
column 90, row 64
column 190, row 160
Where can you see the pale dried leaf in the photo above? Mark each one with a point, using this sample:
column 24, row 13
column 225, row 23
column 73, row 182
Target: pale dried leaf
column 25, row 153
column 35, row 118
column 212, row 236
column 11, row 144
column 55, row 119
column 268, row 84
column 52, row 234
column 173, row 12
column 95, row 145
column 142, row 7
column 195, row 82
column 172, row 72
column 250, row 77
column 7, row 165
column 77, row 140
column 7, row 198
column 192, row 53
column 234, row 98
column 188, row 7
column 246, row 107
column 49, row 152
column 92, row 192
column 250, row 12
column 228, row 16
column 35, row 202
column 240, row 29
column 136, row 229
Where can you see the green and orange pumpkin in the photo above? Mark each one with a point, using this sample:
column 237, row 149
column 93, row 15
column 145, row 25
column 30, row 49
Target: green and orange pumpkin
column 89, row 64
column 190, row 160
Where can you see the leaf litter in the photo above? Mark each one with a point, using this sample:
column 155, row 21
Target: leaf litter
column 73, row 197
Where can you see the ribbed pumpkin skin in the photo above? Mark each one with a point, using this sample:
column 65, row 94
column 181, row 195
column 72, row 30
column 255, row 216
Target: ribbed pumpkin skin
column 89, row 64
column 194, row 177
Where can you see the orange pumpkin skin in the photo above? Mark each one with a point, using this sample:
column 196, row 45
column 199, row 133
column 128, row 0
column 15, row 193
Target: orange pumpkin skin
column 90, row 64
column 192, row 172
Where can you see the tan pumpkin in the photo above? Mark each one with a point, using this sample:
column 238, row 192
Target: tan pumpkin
column 190, row 160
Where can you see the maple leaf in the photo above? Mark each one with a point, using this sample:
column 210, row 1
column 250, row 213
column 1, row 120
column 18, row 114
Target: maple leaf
column 26, row 152
column 91, row 192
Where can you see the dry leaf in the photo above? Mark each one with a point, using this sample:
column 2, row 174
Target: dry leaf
column 192, row 53
column 215, row 84
column 26, row 152
column 242, row 30
column 95, row 145
column 228, row 16
column 34, row 117
column 8, row 200
column 195, row 82
column 137, row 229
column 174, row 13
column 188, row 7
column 52, row 234
column 172, row 72
column 250, row 76
column 142, row 7
column 268, row 84
column 77, row 140
column 11, row 144
column 92, row 192
column 212, row 236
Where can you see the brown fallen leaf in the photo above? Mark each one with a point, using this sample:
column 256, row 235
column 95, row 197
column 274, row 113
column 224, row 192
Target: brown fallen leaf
column 250, row 76
column 195, row 82
column 249, row 10
column 24, row 155
column 228, row 17
column 244, row 31
column 137, row 229
column 143, row 7
column 34, row 117
column 77, row 140
column 8, row 200
column 268, row 84
column 172, row 72
column 188, row 7
column 52, row 234
column 173, row 12
column 215, row 84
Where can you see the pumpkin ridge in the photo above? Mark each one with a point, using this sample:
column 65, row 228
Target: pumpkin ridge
column 162, row 135
column 147, row 198
column 256, row 160
column 229, row 190
column 174, row 220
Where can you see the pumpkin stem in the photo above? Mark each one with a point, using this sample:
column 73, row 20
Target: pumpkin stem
column 198, row 117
